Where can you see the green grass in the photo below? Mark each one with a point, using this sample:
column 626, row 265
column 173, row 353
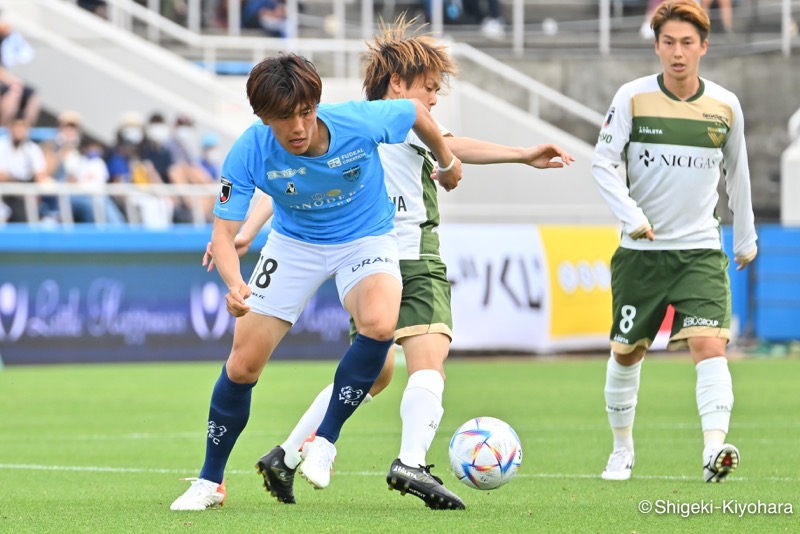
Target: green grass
column 100, row 448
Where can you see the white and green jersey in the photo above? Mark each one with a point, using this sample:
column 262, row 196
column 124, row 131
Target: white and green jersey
column 674, row 153
column 407, row 169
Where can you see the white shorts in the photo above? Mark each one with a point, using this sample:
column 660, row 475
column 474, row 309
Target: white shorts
column 289, row 271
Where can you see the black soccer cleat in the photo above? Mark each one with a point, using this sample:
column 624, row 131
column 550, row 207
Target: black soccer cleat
column 419, row 481
column 278, row 478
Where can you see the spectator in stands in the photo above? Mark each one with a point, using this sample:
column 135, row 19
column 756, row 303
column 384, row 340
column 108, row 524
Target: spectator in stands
column 125, row 166
column 646, row 31
column 185, row 147
column 161, row 165
column 67, row 163
column 125, row 161
column 175, row 10
column 489, row 18
column 98, row 7
column 91, row 173
column 210, row 157
column 725, row 12
column 21, row 161
column 16, row 98
column 269, row 15
column 487, row 13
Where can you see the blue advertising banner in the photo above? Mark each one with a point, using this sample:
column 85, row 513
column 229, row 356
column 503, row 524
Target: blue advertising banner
column 98, row 296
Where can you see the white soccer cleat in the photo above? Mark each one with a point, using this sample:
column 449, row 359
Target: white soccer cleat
column 201, row 494
column 318, row 464
column 620, row 465
column 719, row 463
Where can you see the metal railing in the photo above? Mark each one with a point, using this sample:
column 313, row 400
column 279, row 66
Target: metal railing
column 609, row 16
column 346, row 53
column 133, row 201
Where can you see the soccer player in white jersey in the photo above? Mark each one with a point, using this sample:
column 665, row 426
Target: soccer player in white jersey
column 403, row 65
column 333, row 219
column 676, row 134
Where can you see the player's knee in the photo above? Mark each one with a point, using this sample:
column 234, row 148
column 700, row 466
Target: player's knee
column 380, row 328
column 242, row 370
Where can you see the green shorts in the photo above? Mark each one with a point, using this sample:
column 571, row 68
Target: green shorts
column 645, row 282
column 425, row 307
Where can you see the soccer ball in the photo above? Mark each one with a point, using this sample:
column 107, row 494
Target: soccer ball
column 485, row 453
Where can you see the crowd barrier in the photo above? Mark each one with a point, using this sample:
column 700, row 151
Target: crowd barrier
column 85, row 294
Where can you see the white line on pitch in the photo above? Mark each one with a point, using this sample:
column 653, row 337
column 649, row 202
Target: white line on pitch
column 105, row 469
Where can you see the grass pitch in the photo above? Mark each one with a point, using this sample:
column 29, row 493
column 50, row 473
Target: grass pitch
column 100, row 448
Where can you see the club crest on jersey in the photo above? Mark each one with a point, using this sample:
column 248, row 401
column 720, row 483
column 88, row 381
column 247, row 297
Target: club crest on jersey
column 352, row 174
column 225, row 191
column 718, row 135
column 291, row 189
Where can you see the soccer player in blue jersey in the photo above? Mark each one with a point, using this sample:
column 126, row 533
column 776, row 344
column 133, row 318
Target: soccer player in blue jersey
column 402, row 63
column 333, row 219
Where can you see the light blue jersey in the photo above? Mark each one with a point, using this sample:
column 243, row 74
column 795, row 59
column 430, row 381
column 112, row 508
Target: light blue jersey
column 334, row 198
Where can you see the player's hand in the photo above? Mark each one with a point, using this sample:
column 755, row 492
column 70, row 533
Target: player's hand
column 448, row 179
column 744, row 261
column 643, row 232
column 544, row 156
column 235, row 300
column 242, row 246
column 208, row 259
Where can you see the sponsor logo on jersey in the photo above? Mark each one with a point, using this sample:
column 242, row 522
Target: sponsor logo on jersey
column 291, row 189
column 286, row 173
column 353, row 155
column 335, row 162
column 318, row 200
column 619, row 339
column 609, row 117
column 715, row 117
column 352, row 174
column 226, row 188
column 682, row 161
column 650, row 131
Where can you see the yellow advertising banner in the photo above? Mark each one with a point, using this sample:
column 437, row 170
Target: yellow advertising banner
column 578, row 264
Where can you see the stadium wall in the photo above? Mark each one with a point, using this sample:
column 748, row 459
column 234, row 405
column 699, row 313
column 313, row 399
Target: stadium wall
column 86, row 295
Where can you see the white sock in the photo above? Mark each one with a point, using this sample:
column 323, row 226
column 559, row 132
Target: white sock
column 307, row 424
column 714, row 399
column 621, row 392
column 421, row 411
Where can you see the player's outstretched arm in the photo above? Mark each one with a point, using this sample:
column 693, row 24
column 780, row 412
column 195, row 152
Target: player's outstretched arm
column 477, row 152
column 449, row 173
column 244, row 239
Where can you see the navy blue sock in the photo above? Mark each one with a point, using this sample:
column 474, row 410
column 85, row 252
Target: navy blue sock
column 357, row 371
column 227, row 417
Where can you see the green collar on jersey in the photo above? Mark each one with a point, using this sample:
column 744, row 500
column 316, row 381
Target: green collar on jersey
column 694, row 97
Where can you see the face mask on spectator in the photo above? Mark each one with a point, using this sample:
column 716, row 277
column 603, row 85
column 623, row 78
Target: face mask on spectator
column 185, row 135
column 158, row 133
column 214, row 155
column 132, row 135
column 68, row 137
